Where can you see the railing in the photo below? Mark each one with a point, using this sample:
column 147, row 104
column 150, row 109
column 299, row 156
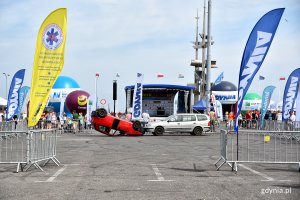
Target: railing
column 42, row 147
column 28, row 148
column 13, row 148
column 270, row 125
column 251, row 146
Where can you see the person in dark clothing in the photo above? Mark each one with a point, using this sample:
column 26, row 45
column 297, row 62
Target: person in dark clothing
column 15, row 119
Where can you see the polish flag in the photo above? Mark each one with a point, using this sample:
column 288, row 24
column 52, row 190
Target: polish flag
column 281, row 78
column 160, row 75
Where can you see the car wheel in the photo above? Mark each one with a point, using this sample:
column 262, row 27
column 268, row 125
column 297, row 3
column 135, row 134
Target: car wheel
column 159, row 130
column 197, row 130
column 102, row 112
column 192, row 133
column 136, row 125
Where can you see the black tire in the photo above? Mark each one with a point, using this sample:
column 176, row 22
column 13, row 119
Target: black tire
column 102, row 112
column 159, row 131
column 136, row 125
column 198, row 130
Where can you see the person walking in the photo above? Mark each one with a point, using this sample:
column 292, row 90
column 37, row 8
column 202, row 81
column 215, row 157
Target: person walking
column 212, row 118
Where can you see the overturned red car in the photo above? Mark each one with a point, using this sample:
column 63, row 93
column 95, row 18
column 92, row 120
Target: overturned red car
column 110, row 125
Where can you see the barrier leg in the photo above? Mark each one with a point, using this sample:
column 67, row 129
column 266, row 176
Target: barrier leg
column 18, row 167
column 224, row 161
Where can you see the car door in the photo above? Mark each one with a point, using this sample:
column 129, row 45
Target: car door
column 173, row 123
column 188, row 123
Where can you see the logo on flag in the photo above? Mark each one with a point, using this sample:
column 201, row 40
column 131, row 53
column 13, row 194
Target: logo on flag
column 138, row 97
column 52, row 36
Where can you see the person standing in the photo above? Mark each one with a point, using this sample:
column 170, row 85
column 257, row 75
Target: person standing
column 212, row 118
column 80, row 118
column 230, row 119
column 226, row 119
column 75, row 117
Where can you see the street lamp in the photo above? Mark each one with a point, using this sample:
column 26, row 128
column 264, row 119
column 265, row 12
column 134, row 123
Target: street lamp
column 6, row 75
column 96, row 84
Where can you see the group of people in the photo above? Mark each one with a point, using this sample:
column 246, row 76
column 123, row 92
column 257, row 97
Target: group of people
column 249, row 120
column 50, row 120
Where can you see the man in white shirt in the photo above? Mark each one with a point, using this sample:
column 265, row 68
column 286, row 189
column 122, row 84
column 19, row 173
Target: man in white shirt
column 291, row 120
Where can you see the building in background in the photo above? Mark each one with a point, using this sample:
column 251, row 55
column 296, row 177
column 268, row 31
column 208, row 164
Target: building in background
column 162, row 100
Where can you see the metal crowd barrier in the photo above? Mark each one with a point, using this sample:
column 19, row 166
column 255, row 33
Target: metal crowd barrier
column 14, row 126
column 14, row 148
column 273, row 147
column 270, row 125
column 28, row 148
column 42, row 147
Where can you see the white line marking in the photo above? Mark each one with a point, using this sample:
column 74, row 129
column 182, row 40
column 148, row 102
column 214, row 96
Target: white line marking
column 258, row 173
column 56, row 174
column 158, row 174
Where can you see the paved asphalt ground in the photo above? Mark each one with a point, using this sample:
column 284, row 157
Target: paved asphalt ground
column 95, row 166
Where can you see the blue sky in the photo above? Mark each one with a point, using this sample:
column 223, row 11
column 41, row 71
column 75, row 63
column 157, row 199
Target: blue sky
column 147, row 36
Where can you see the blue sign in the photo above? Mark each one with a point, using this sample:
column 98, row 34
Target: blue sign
column 256, row 49
column 22, row 96
column 290, row 94
column 13, row 95
column 266, row 97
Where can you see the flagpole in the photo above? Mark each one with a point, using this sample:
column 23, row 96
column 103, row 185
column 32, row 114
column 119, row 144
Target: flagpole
column 279, row 91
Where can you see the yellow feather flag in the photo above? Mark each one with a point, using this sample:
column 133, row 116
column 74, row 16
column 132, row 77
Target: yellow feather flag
column 48, row 61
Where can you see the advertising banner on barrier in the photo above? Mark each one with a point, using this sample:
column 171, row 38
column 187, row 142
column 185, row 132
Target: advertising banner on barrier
column 137, row 97
column 48, row 61
column 290, row 94
column 22, row 97
column 13, row 95
column 256, row 49
column 266, row 98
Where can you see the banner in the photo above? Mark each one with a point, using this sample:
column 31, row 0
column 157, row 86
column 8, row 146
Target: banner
column 266, row 98
column 290, row 94
column 175, row 103
column 213, row 101
column 137, row 97
column 48, row 61
column 256, row 49
column 22, row 97
column 13, row 95
column 297, row 125
column 219, row 79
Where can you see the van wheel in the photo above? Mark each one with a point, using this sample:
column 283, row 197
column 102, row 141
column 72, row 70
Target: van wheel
column 197, row 131
column 102, row 112
column 159, row 131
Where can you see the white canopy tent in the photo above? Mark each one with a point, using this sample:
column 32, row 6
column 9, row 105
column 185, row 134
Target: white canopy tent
column 3, row 102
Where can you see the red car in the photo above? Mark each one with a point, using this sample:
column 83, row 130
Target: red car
column 109, row 124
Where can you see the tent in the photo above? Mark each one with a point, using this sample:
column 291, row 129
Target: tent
column 3, row 102
column 200, row 105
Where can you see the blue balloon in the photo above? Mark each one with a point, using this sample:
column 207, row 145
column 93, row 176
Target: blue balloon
column 65, row 82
